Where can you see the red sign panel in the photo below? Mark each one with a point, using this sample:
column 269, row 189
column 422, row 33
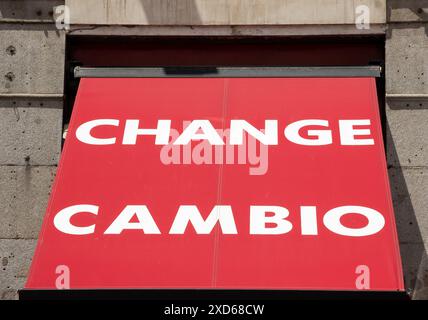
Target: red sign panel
column 224, row 183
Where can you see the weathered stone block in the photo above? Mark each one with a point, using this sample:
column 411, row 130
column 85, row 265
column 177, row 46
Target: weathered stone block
column 409, row 188
column 415, row 269
column 421, row 285
column 407, row 59
column 31, row 58
column 24, row 192
column 30, row 131
column 222, row 12
column 15, row 260
column 406, row 136
column 407, row 10
column 27, row 9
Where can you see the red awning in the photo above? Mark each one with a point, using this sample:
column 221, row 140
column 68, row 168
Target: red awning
column 221, row 183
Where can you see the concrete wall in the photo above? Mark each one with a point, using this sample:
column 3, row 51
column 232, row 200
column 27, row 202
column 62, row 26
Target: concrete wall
column 31, row 90
column 221, row 12
column 407, row 134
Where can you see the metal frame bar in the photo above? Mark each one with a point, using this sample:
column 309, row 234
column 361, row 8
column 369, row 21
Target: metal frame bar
column 207, row 294
column 229, row 72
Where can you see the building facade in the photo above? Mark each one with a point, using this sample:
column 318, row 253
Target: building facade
column 42, row 41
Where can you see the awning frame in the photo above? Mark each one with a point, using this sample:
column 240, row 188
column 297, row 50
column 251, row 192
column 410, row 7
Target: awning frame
column 201, row 295
column 229, row 72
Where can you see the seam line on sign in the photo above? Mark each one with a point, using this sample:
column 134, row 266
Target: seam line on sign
column 48, row 212
column 397, row 262
column 219, row 190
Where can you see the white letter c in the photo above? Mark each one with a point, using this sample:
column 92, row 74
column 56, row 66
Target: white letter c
column 62, row 219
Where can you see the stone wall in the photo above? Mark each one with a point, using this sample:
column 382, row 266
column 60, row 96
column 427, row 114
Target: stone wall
column 31, row 100
column 407, row 134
